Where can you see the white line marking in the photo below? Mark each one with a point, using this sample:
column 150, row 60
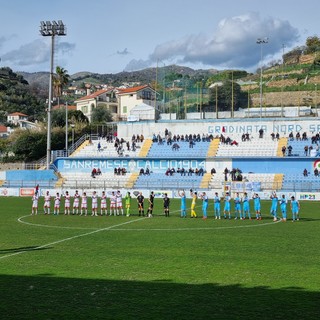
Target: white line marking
column 48, row 226
column 71, row 238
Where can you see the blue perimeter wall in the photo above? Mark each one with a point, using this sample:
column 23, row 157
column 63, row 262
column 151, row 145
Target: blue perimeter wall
column 30, row 175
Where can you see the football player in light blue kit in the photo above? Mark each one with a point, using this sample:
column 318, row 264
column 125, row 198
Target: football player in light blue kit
column 217, row 210
column 283, row 207
column 205, row 200
column 295, row 207
column 183, row 207
column 257, row 206
column 226, row 210
column 237, row 206
column 246, row 206
column 274, row 205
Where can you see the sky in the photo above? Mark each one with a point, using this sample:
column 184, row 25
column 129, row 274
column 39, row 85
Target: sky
column 110, row 36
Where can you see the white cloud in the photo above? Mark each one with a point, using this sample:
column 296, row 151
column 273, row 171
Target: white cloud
column 233, row 44
column 35, row 52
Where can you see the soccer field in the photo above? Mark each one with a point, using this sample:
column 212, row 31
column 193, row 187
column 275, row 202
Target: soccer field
column 72, row 267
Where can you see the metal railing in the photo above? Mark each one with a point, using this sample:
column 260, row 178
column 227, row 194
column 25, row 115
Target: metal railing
column 28, row 183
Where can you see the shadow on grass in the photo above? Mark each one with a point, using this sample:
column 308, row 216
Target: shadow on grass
column 45, row 297
column 22, row 249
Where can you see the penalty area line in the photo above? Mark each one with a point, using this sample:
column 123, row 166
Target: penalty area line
column 71, row 238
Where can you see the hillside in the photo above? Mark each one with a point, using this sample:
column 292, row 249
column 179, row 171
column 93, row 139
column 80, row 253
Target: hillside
column 144, row 76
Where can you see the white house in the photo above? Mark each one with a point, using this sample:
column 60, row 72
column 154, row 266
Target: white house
column 15, row 117
column 105, row 97
column 136, row 96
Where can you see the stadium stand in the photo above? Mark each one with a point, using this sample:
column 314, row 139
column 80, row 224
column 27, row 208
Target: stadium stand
column 298, row 182
column 30, row 178
column 199, row 149
column 160, row 180
column 264, row 147
column 82, row 180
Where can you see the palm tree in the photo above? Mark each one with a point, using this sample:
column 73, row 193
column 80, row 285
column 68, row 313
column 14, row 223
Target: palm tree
column 60, row 79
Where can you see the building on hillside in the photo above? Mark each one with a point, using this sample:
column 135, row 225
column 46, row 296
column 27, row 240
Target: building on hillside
column 15, row 117
column 3, row 131
column 63, row 106
column 131, row 98
column 105, row 97
column 24, row 124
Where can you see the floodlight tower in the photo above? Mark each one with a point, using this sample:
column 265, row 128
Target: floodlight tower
column 261, row 41
column 51, row 29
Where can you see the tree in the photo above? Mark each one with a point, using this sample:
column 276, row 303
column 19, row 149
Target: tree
column 60, row 79
column 28, row 145
column 226, row 93
column 75, row 116
column 101, row 115
column 313, row 44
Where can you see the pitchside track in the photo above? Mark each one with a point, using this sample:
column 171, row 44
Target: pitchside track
column 72, row 267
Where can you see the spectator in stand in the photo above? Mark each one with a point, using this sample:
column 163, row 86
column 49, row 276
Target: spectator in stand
column 93, row 173
column 272, row 135
column 141, row 172
column 234, row 143
column 261, row 133
column 277, row 136
column 316, row 172
column 128, row 145
column 283, row 149
column 213, row 171
column 99, row 146
column 291, row 136
column 175, row 147
column 228, row 140
column 304, row 136
column 190, row 172
column 305, row 172
column 183, row 172
column 243, row 137
column 306, row 149
column 201, row 172
column 298, row 137
column 226, row 171
column 133, row 146
column 154, row 138
column 147, row 171
column 191, row 143
column 247, row 137
column 99, row 172
column 290, row 151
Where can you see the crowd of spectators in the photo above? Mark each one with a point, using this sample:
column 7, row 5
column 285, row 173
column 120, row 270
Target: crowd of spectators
column 235, row 174
column 275, row 136
column 120, row 171
column 185, row 172
column 144, row 172
column 228, row 140
column 95, row 172
column 315, row 172
column 170, row 138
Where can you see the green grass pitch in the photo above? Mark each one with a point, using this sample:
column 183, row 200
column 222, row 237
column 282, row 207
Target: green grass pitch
column 72, row 267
